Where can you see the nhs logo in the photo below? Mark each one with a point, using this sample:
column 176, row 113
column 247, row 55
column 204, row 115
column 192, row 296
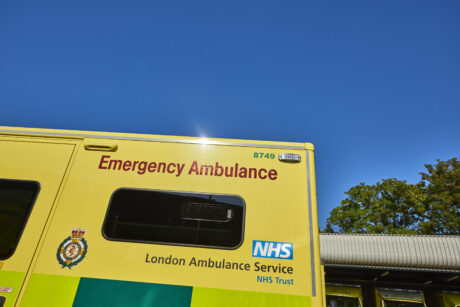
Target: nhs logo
column 269, row 249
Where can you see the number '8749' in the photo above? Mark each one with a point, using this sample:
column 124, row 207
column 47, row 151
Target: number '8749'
column 263, row 155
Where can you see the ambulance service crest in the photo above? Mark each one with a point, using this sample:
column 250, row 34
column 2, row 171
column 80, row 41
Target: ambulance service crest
column 73, row 249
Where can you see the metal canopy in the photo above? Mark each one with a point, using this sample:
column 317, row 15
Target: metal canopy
column 430, row 253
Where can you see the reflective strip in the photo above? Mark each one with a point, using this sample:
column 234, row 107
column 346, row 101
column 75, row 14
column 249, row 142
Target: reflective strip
column 198, row 141
column 310, row 220
column 230, row 298
column 11, row 282
column 107, row 292
column 50, row 290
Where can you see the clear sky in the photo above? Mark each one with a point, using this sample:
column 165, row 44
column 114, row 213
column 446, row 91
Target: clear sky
column 375, row 86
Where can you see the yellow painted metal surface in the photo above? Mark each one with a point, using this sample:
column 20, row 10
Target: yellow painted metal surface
column 45, row 162
column 345, row 291
column 444, row 299
column 453, row 299
column 323, row 284
column 277, row 209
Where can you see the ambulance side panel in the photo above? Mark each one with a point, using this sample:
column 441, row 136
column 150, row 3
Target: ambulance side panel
column 278, row 208
column 31, row 173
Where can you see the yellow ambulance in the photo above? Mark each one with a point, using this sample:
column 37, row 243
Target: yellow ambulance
column 399, row 298
column 444, row 299
column 111, row 219
column 343, row 295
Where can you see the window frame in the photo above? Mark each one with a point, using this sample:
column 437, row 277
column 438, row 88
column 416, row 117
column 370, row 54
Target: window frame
column 243, row 221
column 26, row 217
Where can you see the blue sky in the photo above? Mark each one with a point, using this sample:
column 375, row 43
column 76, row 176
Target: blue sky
column 374, row 85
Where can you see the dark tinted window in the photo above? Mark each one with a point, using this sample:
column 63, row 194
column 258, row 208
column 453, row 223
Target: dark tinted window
column 2, row 301
column 16, row 201
column 341, row 301
column 175, row 218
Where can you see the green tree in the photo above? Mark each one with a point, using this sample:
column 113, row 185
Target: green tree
column 390, row 206
column 441, row 184
column 393, row 206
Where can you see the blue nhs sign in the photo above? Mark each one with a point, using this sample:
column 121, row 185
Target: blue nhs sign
column 269, row 249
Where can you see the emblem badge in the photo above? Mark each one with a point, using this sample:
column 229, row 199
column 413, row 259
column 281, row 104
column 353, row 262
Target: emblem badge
column 73, row 249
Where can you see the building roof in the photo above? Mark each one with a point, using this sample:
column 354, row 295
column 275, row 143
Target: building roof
column 439, row 253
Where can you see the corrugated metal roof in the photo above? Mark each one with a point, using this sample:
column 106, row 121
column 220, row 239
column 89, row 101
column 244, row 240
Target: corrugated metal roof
column 395, row 251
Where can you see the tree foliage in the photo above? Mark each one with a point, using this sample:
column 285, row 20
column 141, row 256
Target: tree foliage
column 441, row 184
column 393, row 206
